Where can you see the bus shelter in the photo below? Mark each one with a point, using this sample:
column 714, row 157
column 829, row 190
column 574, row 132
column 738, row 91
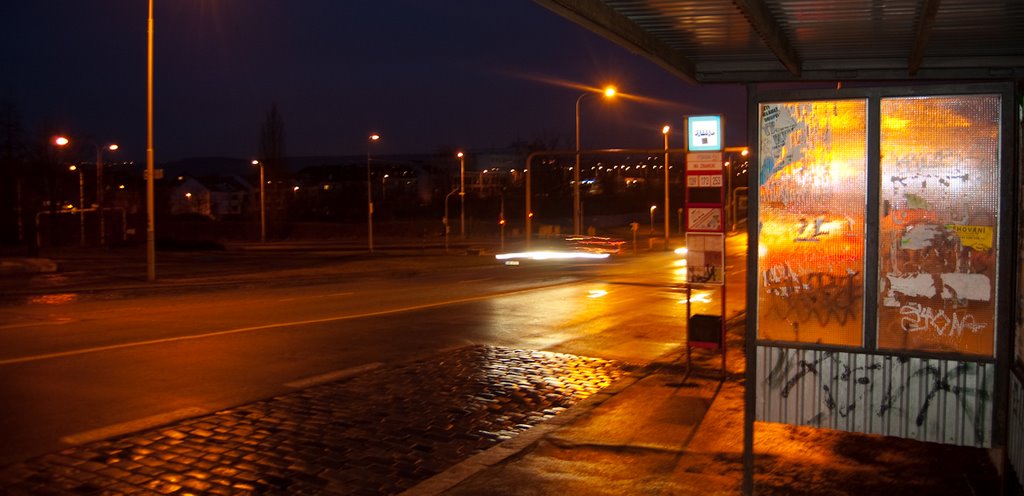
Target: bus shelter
column 886, row 273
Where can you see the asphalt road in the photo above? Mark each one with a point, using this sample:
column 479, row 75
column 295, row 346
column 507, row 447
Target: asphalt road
column 75, row 369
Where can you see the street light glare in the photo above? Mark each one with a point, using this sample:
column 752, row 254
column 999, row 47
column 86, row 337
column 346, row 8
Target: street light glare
column 609, row 91
column 460, row 155
column 374, row 137
column 113, row 147
column 665, row 129
column 61, row 141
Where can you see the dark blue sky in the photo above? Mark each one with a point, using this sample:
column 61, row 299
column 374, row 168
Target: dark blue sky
column 459, row 73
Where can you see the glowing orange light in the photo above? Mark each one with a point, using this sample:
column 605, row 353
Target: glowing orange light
column 61, row 141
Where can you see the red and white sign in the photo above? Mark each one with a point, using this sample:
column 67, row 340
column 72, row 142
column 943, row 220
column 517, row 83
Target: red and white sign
column 704, row 219
column 707, row 161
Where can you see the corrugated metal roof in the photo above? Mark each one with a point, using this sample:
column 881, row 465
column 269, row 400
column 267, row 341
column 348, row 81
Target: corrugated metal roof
column 778, row 40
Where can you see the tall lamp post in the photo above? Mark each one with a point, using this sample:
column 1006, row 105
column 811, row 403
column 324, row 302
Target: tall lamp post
column 369, row 194
column 99, row 187
column 150, row 207
column 462, row 194
column 577, row 211
column 263, row 203
column 81, row 204
column 653, row 208
column 664, row 132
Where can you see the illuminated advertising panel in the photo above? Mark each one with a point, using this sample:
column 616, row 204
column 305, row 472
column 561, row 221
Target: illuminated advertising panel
column 813, row 190
column 939, row 218
column 704, row 133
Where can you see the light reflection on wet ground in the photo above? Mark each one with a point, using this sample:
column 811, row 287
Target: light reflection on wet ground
column 377, row 433
column 53, row 299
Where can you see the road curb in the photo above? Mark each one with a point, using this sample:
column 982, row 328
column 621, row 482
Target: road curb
column 10, row 266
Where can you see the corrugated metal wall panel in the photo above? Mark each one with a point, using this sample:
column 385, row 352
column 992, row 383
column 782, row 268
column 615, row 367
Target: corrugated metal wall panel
column 942, row 401
column 1015, row 430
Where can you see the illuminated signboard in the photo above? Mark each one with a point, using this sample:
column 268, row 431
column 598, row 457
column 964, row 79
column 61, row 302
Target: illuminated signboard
column 704, row 133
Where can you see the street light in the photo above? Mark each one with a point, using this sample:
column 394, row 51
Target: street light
column 445, row 219
column 263, row 204
column 150, row 173
column 664, row 132
column 577, row 211
column 369, row 194
column 81, row 204
column 99, row 186
column 462, row 194
column 653, row 208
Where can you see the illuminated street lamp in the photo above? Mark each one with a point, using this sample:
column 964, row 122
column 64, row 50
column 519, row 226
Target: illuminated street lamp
column 664, row 132
column 99, row 186
column 462, row 194
column 577, row 211
column 369, row 194
column 263, row 204
column 653, row 208
column 81, row 203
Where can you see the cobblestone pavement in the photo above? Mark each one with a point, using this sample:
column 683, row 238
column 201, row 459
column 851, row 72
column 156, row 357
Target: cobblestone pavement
column 377, row 433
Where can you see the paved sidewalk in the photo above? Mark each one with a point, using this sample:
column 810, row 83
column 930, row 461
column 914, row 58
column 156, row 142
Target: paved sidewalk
column 653, row 433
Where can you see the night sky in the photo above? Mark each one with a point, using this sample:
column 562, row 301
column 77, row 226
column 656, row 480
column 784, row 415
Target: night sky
column 468, row 74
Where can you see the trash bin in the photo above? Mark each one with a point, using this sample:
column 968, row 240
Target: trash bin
column 705, row 329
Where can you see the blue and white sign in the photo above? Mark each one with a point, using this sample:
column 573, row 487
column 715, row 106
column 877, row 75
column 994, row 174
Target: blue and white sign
column 704, row 133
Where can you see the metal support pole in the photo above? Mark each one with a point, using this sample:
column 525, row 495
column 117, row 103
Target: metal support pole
column 263, row 207
column 150, row 207
column 577, row 219
column 529, row 213
column 369, row 206
column 99, row 193
column 81, row 207
column 445, row 219
column 462, row 195
column 668, row 211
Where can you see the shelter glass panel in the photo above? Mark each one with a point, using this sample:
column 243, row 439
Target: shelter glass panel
column 938, row 223
column 812, row 191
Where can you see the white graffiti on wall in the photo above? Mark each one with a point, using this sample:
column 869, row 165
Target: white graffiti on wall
column 934, row 276
column 918, row 318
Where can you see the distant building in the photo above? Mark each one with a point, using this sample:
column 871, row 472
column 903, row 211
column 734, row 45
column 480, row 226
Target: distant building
column 215, row 197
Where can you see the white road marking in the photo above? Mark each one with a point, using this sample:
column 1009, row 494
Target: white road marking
column 338, row 318
column 132, row 426
column 332, row 295
column 467, row 281
column 60, row 321
column 332, row 376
